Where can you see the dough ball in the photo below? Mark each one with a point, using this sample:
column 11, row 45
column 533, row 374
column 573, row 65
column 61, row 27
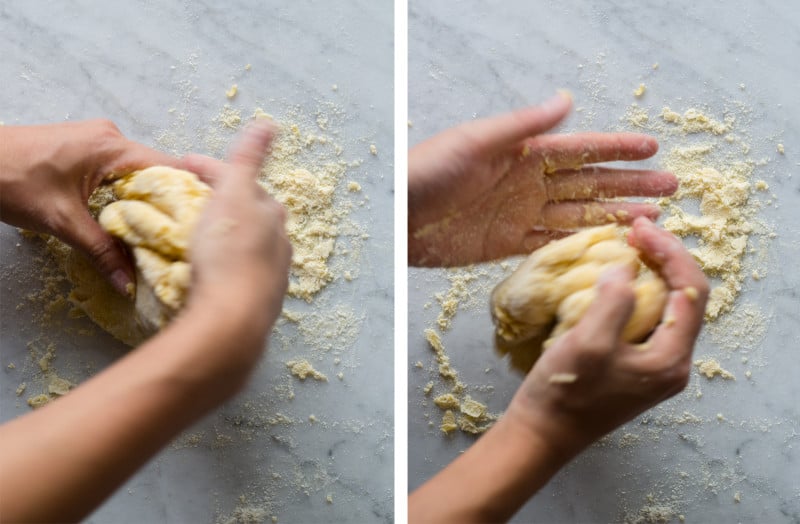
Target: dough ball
column 552, row 289
column 156, row 214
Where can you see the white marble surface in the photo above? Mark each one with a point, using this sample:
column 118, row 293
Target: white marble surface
column 477, row 58
column 134, row 61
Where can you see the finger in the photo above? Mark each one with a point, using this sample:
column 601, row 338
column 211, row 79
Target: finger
column 137, row 156
column 683, row 315
column 105, row 252
column 600, row 182
column 251, row 147
column 602, row 325
column 207, row 169
column 572, row 215
column 576, row 150
column 510, row 128
column 666, row 254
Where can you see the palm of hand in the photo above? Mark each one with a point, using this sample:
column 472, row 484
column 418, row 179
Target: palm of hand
column 485, row 190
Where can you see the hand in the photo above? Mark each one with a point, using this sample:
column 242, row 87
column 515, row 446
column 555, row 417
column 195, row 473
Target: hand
column 497, row 187
column 47, row 174
column 614, row 380
column 549, row 421
column 240, row 253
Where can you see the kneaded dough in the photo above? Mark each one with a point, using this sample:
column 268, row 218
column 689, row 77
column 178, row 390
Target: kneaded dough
column 157, row 211
column 552, row 289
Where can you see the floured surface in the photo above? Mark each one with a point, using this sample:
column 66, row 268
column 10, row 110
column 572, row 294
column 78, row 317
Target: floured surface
column 710, row 453
column 261, row 455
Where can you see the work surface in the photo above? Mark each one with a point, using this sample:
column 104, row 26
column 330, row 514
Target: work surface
column 724, row 450
column 298, row 451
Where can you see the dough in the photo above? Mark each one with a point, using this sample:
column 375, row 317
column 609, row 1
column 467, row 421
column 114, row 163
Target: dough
column 552, row 289
column 157, row 211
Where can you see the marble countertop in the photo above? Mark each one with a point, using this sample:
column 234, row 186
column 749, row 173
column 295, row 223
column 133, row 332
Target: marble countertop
column 474, row 59
column 160, row 71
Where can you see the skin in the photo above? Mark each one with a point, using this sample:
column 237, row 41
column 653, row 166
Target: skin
column 47, row 174
column 498, row 187
column 473, row 180
column 200, row 360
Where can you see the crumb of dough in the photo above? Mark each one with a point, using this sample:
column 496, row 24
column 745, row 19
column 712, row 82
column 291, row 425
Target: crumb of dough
column 445, row 369
column 781, row 149
column 448, row 422
column 473, row 408
column 418, row 364
column 373, row 150
column 711, row 368
column 452, row 298
column 329, row 498
column 410, row 124
column 229, row 117
column 562, row 378
column 38, row 401
column 720, row 417
column 248, row 67
column 334, row 87
column 655, row 66
column 761, row 185
column 639, row 91
column 737, row 497
column 303, row 369
column 748, row 374
column 340, row 375
column 695, row 121
column 21, row 389
column 353, row 186
column 312, row 418
column 447, row 401
column 11, row 365
column 59, row 386
column 426, row 390
column 230, row 93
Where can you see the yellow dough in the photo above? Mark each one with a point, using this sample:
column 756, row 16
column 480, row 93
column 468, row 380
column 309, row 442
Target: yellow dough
column 551, row 290
column 157, row 211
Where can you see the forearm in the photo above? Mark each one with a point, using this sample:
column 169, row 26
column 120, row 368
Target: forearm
column 69, row 456
column 491, row 480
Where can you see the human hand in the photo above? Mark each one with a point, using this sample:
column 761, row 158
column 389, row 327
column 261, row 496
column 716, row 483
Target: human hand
column 498, row 187
column 240, row 252
column 614, row 381
column 47, row 174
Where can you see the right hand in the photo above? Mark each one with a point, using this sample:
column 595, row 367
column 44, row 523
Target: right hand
column 615, row 380
column 240, row 252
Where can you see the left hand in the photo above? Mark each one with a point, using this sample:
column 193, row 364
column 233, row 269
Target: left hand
column 47, row 174
column 498, row 187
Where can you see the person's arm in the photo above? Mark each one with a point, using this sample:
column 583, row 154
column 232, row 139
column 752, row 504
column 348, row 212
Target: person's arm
column 498, row 186
column 550, row 421
column 60, row 462
column 48, row 173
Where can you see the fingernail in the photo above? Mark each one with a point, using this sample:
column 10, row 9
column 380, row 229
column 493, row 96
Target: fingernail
column 122, row 282
column 565, row 93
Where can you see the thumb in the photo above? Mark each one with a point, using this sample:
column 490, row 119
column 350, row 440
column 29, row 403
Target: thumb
column 104, row 251
column 613, row 306
column 504, row 130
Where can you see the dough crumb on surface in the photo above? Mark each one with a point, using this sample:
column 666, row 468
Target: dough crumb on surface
column 711, row 368
column 353, row 186
column 303, row 369
column 373, row 150
column 230, row 93
column 781, row 149
column 639, row 91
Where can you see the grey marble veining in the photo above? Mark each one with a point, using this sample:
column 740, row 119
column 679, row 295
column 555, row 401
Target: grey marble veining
column 474, row 59
column 160, row 70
